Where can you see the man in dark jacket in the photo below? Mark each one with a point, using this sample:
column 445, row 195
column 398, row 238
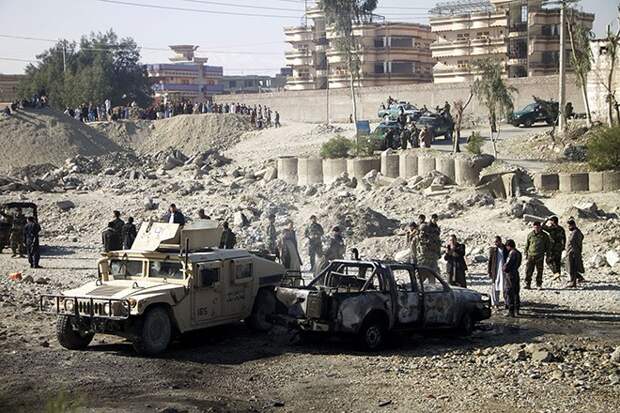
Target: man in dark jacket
column 117, row 225
column 31, row 240
column 574, row 249
column 511, row 269
column 557, row 235
column 108, row 238
column 229, row 239
column 314, row 233
column 456, row 266
column 129, row 234
column 174, row 216
column 537, row 246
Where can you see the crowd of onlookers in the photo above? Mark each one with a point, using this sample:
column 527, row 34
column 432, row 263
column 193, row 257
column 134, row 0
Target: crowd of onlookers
column 37, row 101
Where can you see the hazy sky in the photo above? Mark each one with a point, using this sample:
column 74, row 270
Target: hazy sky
column 242, row 44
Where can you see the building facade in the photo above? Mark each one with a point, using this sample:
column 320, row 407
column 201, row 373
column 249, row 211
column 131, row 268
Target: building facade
column 255, row 83
column 598, row 80
column 390, row 53
column 8, row 87
column 187, row 77
column 523, row 35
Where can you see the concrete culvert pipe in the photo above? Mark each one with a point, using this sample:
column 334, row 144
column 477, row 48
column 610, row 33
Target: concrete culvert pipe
column 408, row 164
column 426, row 164
column 309, row 171
column 466, row 172
column 604, row 181
column 546, row 182
column 389, row 164
column 287, row 169
column 445, row 165
column 574, row 182
column 359, row 167
column 333, row 168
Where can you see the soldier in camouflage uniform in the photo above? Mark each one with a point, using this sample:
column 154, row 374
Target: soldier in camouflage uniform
column 314, row 233
column 557, row 235
column 271, row 235
column 429, row 244
column 536, row 247
column 17, row 234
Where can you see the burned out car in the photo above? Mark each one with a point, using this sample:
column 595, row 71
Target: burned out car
column 172, row 281
column 372, row 298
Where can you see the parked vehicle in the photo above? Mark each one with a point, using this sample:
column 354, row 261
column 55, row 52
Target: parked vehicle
column 395, row 109
column 438, row 124
column 380, row 132
column 171, row 282
column 7, row 211
column 536, row 112
column 371, row 298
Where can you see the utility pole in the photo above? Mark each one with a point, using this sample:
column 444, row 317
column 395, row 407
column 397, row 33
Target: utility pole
column 64, row 56
column 327, row 88
column 562, row 98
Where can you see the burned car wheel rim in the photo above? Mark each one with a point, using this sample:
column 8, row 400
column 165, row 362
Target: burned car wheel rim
column 373, row 336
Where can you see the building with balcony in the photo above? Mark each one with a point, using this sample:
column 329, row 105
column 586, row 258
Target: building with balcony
column 523, row 35
column 187, row 77
column 389, row 53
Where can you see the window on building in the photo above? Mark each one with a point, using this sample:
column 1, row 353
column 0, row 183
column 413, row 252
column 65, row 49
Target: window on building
column 524, row 14
column 402, row 67
column 380, row 42
column 401, row 42
column 232, row 83
column 379, row 68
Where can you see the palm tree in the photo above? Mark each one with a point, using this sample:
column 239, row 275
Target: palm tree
column 494, row 94
column 342, row 16
column 581, row 59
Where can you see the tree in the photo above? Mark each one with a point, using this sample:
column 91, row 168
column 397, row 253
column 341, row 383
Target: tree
column 581, row 58
column 459, row 108
column 101, row 67
column 342, row 16
column 493, row 94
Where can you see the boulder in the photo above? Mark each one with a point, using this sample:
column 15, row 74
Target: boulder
column 240, row 220
column 612, row 257
column 65, row 205
column 597, row 261
column 402, row 255
column 542, row 356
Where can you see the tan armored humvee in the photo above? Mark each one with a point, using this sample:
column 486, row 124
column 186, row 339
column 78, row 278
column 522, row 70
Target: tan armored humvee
column 172, row 281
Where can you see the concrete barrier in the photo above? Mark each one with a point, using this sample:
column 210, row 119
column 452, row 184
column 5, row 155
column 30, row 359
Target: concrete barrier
column 407, row 164
column 333, row 168
column 547, row 182
column 426, row 164
column 359, row 167
column 445, row 165
column 574, row 182
column 466, row 172
column 287, row 169
column 604, row 181
column 390, row 164
column 309, row 171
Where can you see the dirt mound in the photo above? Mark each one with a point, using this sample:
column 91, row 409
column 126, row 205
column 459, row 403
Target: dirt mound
column 44, row 136
column 126, row 133
column 196, row 133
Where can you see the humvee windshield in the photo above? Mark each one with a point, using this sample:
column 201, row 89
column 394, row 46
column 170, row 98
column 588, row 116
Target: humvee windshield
column 126, row 268
column 162, row 269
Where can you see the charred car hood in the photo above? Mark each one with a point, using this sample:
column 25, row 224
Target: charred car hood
column 467, row 294
column 122, row 289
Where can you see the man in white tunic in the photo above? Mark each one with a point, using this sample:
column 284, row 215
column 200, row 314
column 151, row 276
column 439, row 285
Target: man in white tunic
column 497, row 259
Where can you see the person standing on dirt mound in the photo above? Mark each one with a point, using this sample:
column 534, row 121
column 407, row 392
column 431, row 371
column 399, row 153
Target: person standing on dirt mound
column 289, row 251
column 17, row 234
column 117, row 225
column 129, row 233
column 497, row 258
column 31, row 239
column 174, row 216
column 574, row 260
column 314, row 233
column 228, row 239
column 513, row 287
column 557, row 235
column 537, row 246
column 455, row 259
column 335, row 250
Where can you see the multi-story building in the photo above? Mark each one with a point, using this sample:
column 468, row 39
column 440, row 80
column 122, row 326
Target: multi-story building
column 255, row 83
column 188, row 77
column 523, row 34
column 389, row 53
column 8, row 87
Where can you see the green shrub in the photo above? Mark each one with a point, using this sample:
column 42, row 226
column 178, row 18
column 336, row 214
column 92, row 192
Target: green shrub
column 474, row 143
column 365, row 145
column 336, row 147
column 604, row 149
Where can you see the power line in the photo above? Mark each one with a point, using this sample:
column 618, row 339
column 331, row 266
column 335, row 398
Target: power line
column 245, row 6
column 228, row 13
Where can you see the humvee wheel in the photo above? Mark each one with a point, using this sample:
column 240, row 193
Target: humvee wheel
column 264, row 309
column 68, row 337
column 154, row 332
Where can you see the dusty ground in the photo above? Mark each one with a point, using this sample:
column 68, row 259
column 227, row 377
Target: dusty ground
column 232, row 369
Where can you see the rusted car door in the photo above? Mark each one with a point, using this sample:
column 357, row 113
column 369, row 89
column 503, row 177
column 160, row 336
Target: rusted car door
column 439, row 303
column 408, row 295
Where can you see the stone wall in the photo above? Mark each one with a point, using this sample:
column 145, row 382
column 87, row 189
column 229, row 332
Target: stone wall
column 310, row 106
